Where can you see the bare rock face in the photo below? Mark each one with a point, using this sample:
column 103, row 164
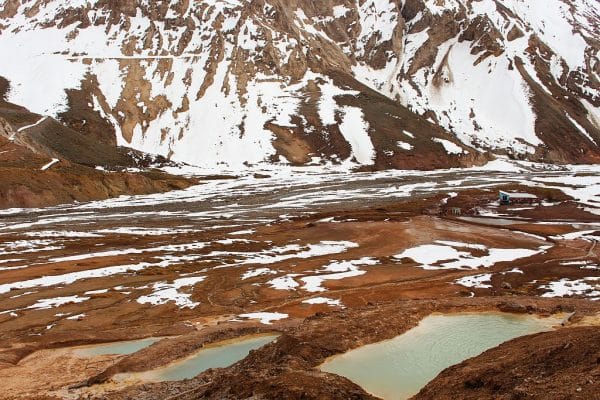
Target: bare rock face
column 376, row 84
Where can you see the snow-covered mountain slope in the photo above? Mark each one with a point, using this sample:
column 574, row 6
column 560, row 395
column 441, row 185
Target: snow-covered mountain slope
column 404, row 84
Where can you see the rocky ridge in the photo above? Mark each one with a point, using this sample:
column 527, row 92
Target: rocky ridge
column 44, row 163
column 371, row 83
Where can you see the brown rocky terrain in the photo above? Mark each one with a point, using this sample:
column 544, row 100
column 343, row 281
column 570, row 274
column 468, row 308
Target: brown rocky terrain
column 389, row 298
column 24, row 185
column 286, row 369
column 559, row 365
column 99, row 95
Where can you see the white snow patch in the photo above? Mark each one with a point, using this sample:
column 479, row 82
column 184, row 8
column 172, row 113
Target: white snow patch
column 581, row 129
column 501, row 165
column 324, row 300
column 286, row 282
column 257, row 272
column 588, row 287
column 244, row 232
column 111, row 253
column 142, row 231
column 290, row 251
column 68, row 278
column 404, row 145
column 476, row 281
column 340, row 11
column 23, row 128
column 444, row 256
column 76, row 317
column 514, row 271
column 99, row 291
column 340, row 269
column 450, row 147
column 57, row 302
column 50, row 164
column 62, row 234
column 169, row 292
column 265, row 317
column 356, row 132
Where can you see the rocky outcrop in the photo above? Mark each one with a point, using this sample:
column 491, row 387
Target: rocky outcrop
column 562, row 364
column 27, row 187
column 44, row 163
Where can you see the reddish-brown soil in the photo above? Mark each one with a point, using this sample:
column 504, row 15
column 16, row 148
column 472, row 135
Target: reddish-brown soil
column 24, row 184
column 22, row 188
column 388, row 299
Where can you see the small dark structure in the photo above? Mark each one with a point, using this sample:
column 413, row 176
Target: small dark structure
column 507, row 198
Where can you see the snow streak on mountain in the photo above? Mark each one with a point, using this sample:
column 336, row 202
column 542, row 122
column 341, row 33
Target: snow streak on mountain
column 379, row 83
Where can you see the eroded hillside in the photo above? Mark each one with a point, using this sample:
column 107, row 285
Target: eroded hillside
column 405, row 84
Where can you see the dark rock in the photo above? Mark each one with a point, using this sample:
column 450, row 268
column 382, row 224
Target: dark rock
column 512, row 307
column 506, row 285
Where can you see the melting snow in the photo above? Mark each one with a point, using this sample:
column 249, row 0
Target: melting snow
column 50, row 164
column 68, row 278
column 476, row 281
column 286, row 282
column 450, row 147
column 340, row 269
column 76, row 317
column 28, row 246
column 111, row 253
column 356, row 132
column 404, row 145
column 257, row 272
column 588, row 287
column 142, row 231
column 277, row 254
column 514, row 271
column 324, row 300
column 99, row 291
column 244, row 232
column 265, row 317
column 57, row 302
column 446, row 256
column 340, row 11
column 23, row 128
column 62, row 234
column 169, row 292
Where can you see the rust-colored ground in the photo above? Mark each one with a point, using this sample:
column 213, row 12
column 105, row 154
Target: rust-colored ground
column 386, row 300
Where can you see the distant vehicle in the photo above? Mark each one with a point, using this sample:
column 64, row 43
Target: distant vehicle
column 507, row 198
